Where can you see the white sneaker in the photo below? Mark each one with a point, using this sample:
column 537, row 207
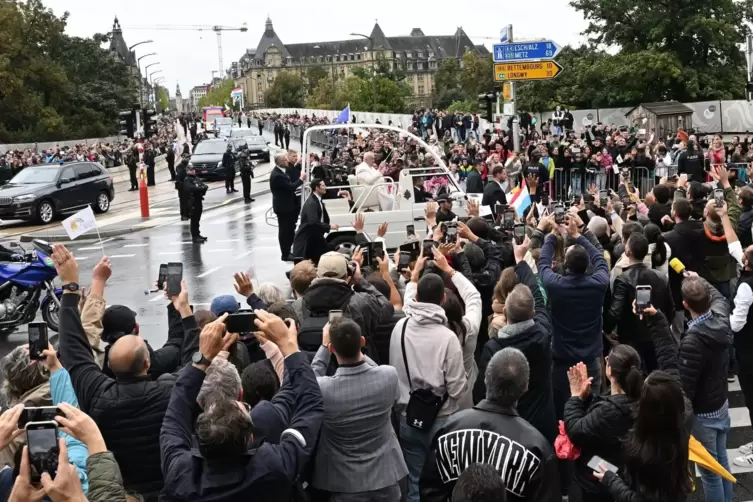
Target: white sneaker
column 746, row 449
column 744, row 461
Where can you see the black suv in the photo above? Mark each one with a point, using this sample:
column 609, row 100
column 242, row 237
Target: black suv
column 45, row 191
column 206, row 158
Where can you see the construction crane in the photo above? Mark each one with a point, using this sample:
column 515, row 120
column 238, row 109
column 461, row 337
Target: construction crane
column 217, row 29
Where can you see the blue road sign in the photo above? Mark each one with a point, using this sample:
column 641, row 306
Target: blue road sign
column 525, row 51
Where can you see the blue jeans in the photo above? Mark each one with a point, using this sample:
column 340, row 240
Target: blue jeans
column 712, row 434
column 575, row 186
column 416, row 448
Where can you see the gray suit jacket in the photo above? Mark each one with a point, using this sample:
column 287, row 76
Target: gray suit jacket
column 358, row 450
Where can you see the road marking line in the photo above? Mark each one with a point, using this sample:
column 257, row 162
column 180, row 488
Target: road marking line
column 157, row 297
column 242, row 255
column 135, row 245
column 90, row 248
column 107, row 240
column 122, row 256
column 218, row 250
column 80, row 258
column 210, row 271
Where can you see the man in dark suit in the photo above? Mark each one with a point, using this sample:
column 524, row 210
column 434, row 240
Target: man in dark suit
column 283, row 204
column 494, row 191
column 474, row 183
column 420, row 195
column 309, row 242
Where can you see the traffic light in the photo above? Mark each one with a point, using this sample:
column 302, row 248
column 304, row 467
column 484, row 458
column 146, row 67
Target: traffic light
column 150, row 123
column 487, row 104
column 128, row 123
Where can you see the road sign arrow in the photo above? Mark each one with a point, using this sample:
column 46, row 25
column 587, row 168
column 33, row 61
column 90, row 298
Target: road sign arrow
column 525, row 51
column 534, row 70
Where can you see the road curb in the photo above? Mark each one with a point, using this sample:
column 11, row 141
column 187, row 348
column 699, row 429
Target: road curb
column 117, row 232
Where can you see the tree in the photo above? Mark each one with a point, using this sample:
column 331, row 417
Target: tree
column 446, row 86
column 287, row 91
column 163, row 98
column 476, row 76
column 703, row 38
column 463, row 107
column 53, row 86
column 218, row 95
column 391, row 96
column 323, row 95
column 313, row 75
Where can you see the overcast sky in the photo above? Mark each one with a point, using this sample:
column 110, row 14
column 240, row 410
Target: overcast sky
column 188, row 57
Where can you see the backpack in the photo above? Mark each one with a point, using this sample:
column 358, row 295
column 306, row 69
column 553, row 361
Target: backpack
column 312, row 327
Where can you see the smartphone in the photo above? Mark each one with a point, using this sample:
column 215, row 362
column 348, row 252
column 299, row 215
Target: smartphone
column 38, row 340
column 42, row 440
column 642, row 297
column 428, row 245
column 413, row 249
column 38, row 414
column 410, row 230
column 334, row 315
column 719, row 197
column 603, row 197
column 451, row 232
column 559, row 214
column 404, row 259
column 499, row 210
column 597, row 461
column 162, row 276
column 519, row 233
column 509, row 219
column 174, row 276
column 241, row 322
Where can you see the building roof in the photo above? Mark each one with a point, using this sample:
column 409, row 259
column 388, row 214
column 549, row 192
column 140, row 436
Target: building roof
column 446, row 46
column 268, row 39
column 664, row 108
column 119, row 46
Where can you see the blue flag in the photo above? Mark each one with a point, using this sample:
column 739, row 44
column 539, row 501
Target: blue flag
column 344, row 116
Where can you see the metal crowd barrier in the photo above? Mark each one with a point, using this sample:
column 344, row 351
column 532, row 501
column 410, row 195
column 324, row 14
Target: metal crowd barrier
column 740, row 167
column 567, row 184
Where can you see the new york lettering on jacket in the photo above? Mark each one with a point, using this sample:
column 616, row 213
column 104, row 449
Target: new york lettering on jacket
column 458, row 450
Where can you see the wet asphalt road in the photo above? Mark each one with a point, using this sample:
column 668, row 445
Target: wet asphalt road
column 240, row 240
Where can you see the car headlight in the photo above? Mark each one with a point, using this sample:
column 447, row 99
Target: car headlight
column 265, row 149
column 24, row 198
column 190, row 165
column 219, row 164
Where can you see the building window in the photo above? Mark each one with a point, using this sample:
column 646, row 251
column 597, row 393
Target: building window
column 420, row 78
column 420, row 65
column 352, row 57
column 409, row 66
column 397, row 55
column 431, row 54
column 337, row 57
column 303, row 60
column 433, row 65
column 420, row 90
column 328, row 58
column 358, row 56
column 320, row 59
column 419, row 54
column 409, row 54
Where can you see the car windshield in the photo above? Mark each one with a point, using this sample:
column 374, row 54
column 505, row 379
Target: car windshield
column 242, row 132
column 256, row 140
column 225, row 121
column 209, row 147
column 34, row 175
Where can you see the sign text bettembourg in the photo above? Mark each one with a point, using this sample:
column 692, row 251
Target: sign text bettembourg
column 534, row 70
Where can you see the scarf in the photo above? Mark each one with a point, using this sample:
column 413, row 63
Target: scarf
column 515, row 329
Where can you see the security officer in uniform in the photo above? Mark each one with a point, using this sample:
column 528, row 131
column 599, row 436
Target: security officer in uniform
column 180, row 179
column 247, row 172
column 228, row 164
column 195, row 189
column 133, row 166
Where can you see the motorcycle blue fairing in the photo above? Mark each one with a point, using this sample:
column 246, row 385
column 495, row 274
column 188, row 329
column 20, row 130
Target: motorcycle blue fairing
column 29, row 275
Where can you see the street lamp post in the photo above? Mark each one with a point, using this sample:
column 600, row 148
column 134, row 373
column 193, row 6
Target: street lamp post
column 373, row 68
column 142, row 42
column 138, row 65
column 146, row 73
column 153, row 73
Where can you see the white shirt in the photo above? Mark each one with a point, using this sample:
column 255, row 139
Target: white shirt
column 367, row 175
column 743, row 301
column 321, row 206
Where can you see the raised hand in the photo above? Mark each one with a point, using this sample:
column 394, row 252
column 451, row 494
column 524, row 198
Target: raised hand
column 65, row 264
column 243, row 284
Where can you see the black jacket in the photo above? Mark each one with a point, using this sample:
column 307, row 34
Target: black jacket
column 536, row 406
column 382, row 336
column 686, row 241
column 129, row 412
column 494, row 435
column 493, row 194
column 283, row 192
column 228, row 160
column 691, row 163
column 474, row 183
column 744, row 228
column 629, row 326
column 704, row 357
column 309, row 242
column 658, row 211
column 267, row 471
column 195, row 188
column 597, row 426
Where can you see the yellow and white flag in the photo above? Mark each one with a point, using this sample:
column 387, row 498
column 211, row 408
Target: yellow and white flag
column 80, row 223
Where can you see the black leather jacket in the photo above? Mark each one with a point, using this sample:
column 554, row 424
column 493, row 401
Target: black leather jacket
column 490, row 434
column 629, row 327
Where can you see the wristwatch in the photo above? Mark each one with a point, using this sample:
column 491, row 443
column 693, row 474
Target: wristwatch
column 71, row 286
column 198, row 358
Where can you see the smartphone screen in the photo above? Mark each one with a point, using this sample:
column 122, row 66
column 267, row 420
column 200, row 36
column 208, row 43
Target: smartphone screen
column 38, row 414
column 174, row 276
column 378, row 250
column 162, row 277
column 413, row 249
column 241, row 322
column 597, row 461
column 642, row 297
column 334, row 315
column 603, row 197
column 42, row 440
column 451, row 232
column 404, row 260
column 559, row 214
column 509, row 220
column 410, row 230
column 719, row 197
column 520, row 233
column 37, row 340
column 429, row 244
column 679, row 194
